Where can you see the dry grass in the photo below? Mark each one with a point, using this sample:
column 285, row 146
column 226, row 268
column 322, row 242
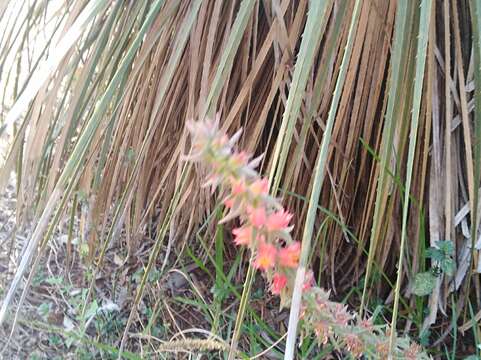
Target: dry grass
column 100, row 140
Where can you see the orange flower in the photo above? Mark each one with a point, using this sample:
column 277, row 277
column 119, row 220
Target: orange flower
column 278, row 220
column 260, row 187
column 289, row 256
column 279, row 282
column 243, row 235
column 266, row 256
column 240, row 159
column 229, row 203
column 238, row 187
column 257, row 216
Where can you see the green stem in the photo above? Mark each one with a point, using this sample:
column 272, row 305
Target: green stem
column 242, row 308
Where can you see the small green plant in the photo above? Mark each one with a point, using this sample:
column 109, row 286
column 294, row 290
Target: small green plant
column 44, row 309
column 55, row 340
column 35, row 356
column 38, row 278
column 442, row 262
column 442, row 256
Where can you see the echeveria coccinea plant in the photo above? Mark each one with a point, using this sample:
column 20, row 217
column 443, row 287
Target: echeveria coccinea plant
column 265, row 229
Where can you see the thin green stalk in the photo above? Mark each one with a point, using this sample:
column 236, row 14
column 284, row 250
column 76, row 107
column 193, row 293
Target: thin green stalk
column 242, row 308
column 319, row 172
column 51, row 228
column 317, row 93
column 155, row 252
column 418, row 88
column 73, row 212
column 182, row 40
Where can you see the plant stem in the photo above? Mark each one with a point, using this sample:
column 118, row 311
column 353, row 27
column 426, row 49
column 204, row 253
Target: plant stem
column 319, row 172
column 242, row 308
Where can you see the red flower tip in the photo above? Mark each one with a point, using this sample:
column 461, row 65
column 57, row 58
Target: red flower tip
column 229, row 203
column 279, row 282
column 238, row 187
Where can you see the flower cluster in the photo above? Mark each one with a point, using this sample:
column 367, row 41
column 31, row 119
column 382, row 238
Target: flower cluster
column 265, row 228
column 332, row 322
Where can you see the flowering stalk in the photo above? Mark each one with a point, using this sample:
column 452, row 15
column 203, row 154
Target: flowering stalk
column 266, row 230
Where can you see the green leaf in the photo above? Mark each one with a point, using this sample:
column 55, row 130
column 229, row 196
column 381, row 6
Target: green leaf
column 448, row 266
column 69, row 341
column 55, row 340
column 424, row 283
column 92, row 310
column 446, row 246
column 54, row 280
column 424, row 337
column 399, row 56
column 228, row 55
column 428, row 285
column 44, row 309
column 435, row 254
column 475, row 7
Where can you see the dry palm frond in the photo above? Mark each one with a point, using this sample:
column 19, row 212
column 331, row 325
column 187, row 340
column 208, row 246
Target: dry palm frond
column 96, row 112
